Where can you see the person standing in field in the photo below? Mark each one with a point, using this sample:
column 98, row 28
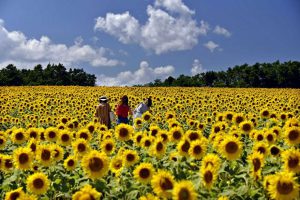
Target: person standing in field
column 123, row 110
column 142, row 107
column 102, row 112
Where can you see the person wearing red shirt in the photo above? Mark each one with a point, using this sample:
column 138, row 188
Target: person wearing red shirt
column 123, row 110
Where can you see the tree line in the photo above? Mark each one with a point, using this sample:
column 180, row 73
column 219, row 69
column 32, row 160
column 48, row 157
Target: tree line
column 266, row 75
column 53, row 74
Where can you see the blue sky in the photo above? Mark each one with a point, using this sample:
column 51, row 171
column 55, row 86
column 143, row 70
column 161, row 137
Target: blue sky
column 137, row 41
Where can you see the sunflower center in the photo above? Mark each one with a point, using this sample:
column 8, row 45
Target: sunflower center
column 293, row 162
column 185, row 147
column 239, row 119
column 246, row 127
column 177, row 135
column 91, row 129
column 65, row 137
column 19, row 136
column 118, row 164
column 123, row 132
column 38, row 183
column 144, row 173
column 293, row 135
column 1, row 141
column 130, row 157
column 96, row 164
column 265, row 113
column 270, row 138
column 139, row 138
column 208, row 177
column 231, row 147
column 84, row 136
column 14, row 196
column 164, row 136
column 217, row 129
column 159, row 146
column 138, row 122
column 146, row 117
column 154, row 132
column 197, row 149
column 81, row 147
column 52, row 134
column 33, row 147
column 260, row 137
column 274, row 151
column 147, row 143
column 46, row 154
column 284, row 188
column 70, row 163
column 56, row 153
column 108, row 147
column 183, row 194
column 256, row 163
column 8, row 164
column 261, row 150
column 23, row 158
column 33, row 134
column 276, row 132
column 166, row 184
column 229, row 116
column 193, row 136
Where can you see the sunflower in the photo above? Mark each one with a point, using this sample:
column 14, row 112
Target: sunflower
column 108, row 146
column 19, row 136
column 144, row 172
column 64, row 138
column 138, row 122
column 158, row 149
column 291, row 159
column 223, row 198
column 95, row 164
column 6, row 163
column 174, row 156
column 267, row 179
column 23, row 158
column 149, row 197
column 130, row 157
column 175, row 134
column 38, row 183
column 154, row 130
column 283, row 186
column 193, row 135
column 87, row 193
column 33, row 133
column 183, row 147
column 212, row 160
column 292, row 135
column 184, row 190
column 51, row 134
column 270, row 137
column 265, row 113
column 198, row 149
column 231, row 148
column 246, row 126
column 116, row 165
column 238, row 118
column 91, row 127
column 2, row 142
column 44, row 155
column 261, row 147
column 146, row 116
column 274, row 150
column 57, row 152
column 146, row 142
column 259, row 136
column 256, row 160
column 209, row 176
column 70, row 163
column 84, row 134
column 123, row 132
column 138, row 138
column 163, row 184
column 15, row 194
column 80, row 147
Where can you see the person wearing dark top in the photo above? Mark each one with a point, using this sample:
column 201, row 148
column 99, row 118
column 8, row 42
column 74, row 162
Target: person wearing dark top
column 123, row 110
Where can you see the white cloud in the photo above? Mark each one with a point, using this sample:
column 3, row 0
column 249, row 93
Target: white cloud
column 197, row 68
column 164, row 31
column 144, row 74
column 222, row 31
column 211, row 46
column 16, row 48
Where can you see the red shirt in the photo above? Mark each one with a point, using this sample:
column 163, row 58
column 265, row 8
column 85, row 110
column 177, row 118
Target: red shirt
column 122, row 110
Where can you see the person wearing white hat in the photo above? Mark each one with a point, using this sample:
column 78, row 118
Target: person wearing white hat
column 102, row 111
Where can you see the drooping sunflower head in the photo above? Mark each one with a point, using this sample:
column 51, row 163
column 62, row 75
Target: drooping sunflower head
column 95, row 164
column 144, row 172
column 163, row 184
column 70, row 163
column 123, row 132
column 87, row 193
column 256, row 161
column 231, row 148
column 23, row 158
column 38, row 183
column 184, row 190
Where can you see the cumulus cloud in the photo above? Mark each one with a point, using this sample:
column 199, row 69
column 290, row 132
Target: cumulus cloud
column 197, row 68
column 211, row 46
column 16, row 48
column 221, row 31
column 144, row 74
column 170, row 27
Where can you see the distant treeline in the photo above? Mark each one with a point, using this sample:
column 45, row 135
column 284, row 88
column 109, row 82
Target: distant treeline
column 266, row 75
column 51, row 75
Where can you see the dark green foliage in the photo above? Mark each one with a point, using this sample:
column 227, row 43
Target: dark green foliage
column 264, row 75
column 51, row 75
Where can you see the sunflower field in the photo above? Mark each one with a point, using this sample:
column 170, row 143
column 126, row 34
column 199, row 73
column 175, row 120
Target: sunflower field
column 194, row 143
